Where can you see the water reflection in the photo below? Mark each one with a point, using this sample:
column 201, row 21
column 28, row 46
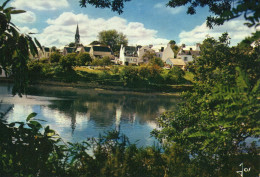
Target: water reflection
column 79, row 113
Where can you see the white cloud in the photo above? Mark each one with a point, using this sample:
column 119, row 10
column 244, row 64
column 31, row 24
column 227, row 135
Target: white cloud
column 40, row 4
column 27, row 30
column 173, row 11
column 27, row 17
column 61, row 31
column 235, row 28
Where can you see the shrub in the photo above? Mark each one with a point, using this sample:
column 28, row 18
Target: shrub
column 83, row 59
column 68, row 61
column 55, row 57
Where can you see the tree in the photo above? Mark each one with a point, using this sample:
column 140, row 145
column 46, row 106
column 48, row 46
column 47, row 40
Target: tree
column 223, row 10
column 55, row 57
column 218, row 116
column 172, row 42
column 15, row 49
column 113, row 39
column 106, row 61
column 148, row 55
column 83, row 59
column 175, row 49
column 68, row 61
column 72, row 44
column 175, row 75
column 54, row 49
column 95, row 43
column 115, row 5
column 129, row 75
column 156, row 61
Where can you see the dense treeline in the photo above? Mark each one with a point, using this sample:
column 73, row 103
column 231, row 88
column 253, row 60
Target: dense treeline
column 69, row 68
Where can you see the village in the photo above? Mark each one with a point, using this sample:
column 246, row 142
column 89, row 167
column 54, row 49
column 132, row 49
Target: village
column 130, row 55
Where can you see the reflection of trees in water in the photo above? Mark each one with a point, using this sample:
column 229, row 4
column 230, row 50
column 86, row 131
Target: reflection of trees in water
column 103, row 107
column 70, row 108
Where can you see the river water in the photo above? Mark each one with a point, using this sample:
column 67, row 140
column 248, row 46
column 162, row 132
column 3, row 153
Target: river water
column 76, row 114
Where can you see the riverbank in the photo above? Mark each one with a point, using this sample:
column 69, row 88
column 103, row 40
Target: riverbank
column 156, row 89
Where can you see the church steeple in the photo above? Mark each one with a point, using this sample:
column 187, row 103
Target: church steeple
column 77, row 36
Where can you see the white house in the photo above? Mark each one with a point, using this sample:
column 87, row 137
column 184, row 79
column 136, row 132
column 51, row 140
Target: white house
column 167, row 53
column 188, row 52
column 159, row 49
column 128, row 55
column 141, row 51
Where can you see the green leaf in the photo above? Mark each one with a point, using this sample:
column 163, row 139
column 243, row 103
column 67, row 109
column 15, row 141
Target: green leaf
column 4, row 4
column 32, row 115
column 17, row 11
column 38, row 43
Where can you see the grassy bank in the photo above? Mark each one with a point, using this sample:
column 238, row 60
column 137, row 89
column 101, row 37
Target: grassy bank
column 145, row 78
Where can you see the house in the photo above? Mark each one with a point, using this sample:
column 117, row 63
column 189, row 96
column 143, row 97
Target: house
column 82, row 49
column 98, row 51
column 176, row 62
column 45, row 52
column 167, row 53
column 188, row 52
column 68, row 50
column 141, row 51
column 159, row 49
column 128, row 55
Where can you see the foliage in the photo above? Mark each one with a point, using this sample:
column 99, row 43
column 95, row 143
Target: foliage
column 148, row 55
column 14, row 49
column 68, row 61
column 172, row 42
column 26, row 151
column 175, row 49
column 115, row 5
column 83, row 59
column 175, row 75
column 55, row 57
column 156, row 61
column 35, row 69
column 223, row 10
column 113, row 39
column 129, row 75
column 105, row 61
column 214, row 123
column 95, row 43
column 72, row 44
column 115, row 69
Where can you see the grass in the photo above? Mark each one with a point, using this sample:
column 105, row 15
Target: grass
column 189, row 76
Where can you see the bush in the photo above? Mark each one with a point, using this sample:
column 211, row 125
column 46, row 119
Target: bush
column 68, row 61
column 35, row 70
column 83, row 59
column 55, row 57
column 129, row 75
column 175, row 76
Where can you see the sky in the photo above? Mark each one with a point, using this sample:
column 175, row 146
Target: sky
column 144, row 22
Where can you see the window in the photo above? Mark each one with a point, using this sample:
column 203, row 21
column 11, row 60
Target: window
column 185, row 58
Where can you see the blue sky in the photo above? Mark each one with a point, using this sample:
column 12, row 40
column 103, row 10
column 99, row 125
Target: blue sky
column 143, row 22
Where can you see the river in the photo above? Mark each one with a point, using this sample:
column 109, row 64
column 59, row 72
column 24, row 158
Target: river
column 76, row 114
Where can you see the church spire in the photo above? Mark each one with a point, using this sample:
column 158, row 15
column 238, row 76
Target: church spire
column 77, row 36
